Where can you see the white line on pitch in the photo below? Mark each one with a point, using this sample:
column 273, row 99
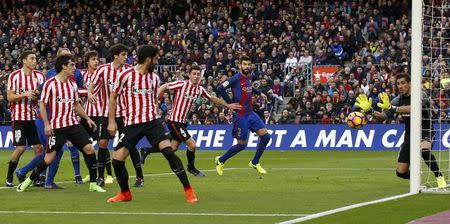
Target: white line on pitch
column 333, row 211
column 150, row 213
column 274, row 168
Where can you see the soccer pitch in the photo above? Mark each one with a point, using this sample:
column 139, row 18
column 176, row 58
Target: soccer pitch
column 298, row 183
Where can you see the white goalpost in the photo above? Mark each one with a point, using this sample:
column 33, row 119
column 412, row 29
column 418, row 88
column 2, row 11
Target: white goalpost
column 429, row 73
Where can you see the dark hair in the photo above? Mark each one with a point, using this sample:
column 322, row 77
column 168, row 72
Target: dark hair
column 244, row 58
column 89, row 55
column 404, row 76
column 118, row 48
column 195, row 67
column 63, row 60
column 25, row 54
column 146, row 51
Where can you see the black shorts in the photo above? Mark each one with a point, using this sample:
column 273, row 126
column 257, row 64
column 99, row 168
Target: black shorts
column 103, row 129
column 404, row 153
column 93, row 134
column 25, row 133
column 178, row 131
column 153, row 130
column 75, row 134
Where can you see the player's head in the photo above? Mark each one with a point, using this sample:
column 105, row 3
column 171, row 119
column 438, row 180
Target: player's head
column 91, row 59
column 245, row 64
column 404, row 84
column 148, row 55
column 28, row 59
column 194, row 74
column 120, row 53
column 63, row 50
column 65, row 64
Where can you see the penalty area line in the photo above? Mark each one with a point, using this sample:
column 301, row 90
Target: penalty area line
column 346, row 208
column 150, row 213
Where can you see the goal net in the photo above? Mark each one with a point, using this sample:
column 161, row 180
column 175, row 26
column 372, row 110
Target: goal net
column 435, row 70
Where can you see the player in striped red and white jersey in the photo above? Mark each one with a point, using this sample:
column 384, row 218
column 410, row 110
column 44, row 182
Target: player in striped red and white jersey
column 139, row 87
column 61, row 124
column 185, row 94
column 22, row 94
column 91, row 106
column 102, row 86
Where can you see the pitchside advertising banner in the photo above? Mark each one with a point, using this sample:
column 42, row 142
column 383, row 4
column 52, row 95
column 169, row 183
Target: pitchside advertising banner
column 323, row 73
column 294, row 137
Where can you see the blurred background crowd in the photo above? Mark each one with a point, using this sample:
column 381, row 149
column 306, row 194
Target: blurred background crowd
column 368, row 41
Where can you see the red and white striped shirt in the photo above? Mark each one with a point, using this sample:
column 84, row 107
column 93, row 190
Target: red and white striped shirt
column 60, row 98
column 19, row 82
column 184, row 97
column 103, row 81
column 92, row 110
column 139, row 93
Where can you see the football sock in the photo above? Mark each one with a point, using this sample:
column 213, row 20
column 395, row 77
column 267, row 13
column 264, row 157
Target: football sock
column 149, row 150
column 260, row 147
column 102, row 154
column 53, row 168
column 176, row 165
column 121, row 174
column 108, row 163
column 91, row 162
column 190, row 155
column 33, row 163
column 135, row 158
column 75, row 156
column 37, row 170
column 231, row 152
column 11, row 168
column 430, row 160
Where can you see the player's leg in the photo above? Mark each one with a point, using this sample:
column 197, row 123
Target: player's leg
column 80, row 139
column 430, row 160
column 255, row 123
column 134, row 156
column 104, row 159
column 146, row 151
column 19, row 143
column 55, row 144
column 402, row 169
column 32, row 137
column 127, row 140
column 52, row 171
column 156, row 134
column 190, row 155
column 240, row 132
column 75, row 158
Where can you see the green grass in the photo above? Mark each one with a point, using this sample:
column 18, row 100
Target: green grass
column 303, row 182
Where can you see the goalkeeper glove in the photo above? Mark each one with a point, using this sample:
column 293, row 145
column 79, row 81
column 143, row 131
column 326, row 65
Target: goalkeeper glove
column 364, row 103
column 385, row 102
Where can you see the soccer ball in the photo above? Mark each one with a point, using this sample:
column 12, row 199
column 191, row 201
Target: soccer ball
column 356, row 120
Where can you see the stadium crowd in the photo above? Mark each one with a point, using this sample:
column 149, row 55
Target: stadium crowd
column 369, row 40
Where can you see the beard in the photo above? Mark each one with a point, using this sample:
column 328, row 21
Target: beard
column 246, row 71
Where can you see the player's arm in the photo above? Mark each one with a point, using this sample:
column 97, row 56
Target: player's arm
column 45, row 96
column 12, row 97
column 222, row 89
column 80, row 111
column 231, row 106
column 112, row 107
column 162, row 89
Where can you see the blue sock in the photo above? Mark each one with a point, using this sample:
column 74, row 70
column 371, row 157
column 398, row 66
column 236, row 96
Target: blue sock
column 231, row 152
column 75, row 156
column 260, row 147
column 33, row 163
column 53, row 168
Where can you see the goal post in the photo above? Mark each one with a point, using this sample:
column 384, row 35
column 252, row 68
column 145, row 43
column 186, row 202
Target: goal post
column 416, row 87
column 430, row 67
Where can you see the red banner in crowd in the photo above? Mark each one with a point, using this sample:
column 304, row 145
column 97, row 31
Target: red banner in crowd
column 323, row 73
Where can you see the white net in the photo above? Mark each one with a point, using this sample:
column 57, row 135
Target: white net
column 436, row 79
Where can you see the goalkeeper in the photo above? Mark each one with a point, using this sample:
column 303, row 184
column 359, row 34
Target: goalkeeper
column 401, row 105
